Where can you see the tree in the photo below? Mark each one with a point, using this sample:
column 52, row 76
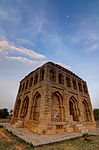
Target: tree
column 11, row 112
column 96, row 114
column 4, row 113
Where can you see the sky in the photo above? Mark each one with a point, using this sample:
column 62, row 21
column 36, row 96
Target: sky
column 33, row 32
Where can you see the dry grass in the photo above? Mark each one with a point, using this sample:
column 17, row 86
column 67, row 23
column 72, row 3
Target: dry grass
column 73, row 144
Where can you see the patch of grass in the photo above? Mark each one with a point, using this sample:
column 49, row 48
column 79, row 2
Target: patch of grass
column 5, row 144
column 30, row 146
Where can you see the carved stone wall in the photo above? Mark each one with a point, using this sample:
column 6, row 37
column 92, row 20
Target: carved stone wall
column 53, row 99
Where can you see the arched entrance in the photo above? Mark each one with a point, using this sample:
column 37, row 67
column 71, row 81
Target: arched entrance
column 56, row 106
column 73, row 108
column 24, row 107
column 86, row 111
column 35, row 108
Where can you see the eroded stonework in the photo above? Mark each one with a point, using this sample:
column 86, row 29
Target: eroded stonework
column 52, row 99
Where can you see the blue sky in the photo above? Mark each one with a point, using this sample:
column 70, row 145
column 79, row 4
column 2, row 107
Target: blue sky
column 35, row 31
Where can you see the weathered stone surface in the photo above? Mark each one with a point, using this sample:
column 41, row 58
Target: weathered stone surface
column 51, row 100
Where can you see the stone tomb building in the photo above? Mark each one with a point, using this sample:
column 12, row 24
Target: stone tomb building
column 52, row 99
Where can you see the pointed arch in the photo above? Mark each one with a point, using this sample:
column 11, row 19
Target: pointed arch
column 73, row 108
column 86, row 111
column 35, row 108
column 56, row 107
column 24, row 108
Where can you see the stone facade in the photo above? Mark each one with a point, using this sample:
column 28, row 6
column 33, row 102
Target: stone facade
column 52, row 99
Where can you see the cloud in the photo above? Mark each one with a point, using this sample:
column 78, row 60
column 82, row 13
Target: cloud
column 34, row 62
column 93, row 47
column 26, row 61
column 6, row 46
column 86, row 33
column 85, row 36
column 25, row 41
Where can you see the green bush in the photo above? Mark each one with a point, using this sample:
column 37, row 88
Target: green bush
column 4, row 113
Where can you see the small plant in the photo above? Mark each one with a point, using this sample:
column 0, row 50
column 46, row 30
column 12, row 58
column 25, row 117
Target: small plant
column 85, row 136
column 31, row 145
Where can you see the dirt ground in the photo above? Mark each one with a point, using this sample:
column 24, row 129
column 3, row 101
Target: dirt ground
column 8, row 141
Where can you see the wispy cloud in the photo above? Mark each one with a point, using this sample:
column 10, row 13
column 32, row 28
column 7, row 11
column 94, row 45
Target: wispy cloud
column 25, row 41
column 9, row 13
column 5, row 47
column 85, row 36
column 86, row 33
column 26, row 61
column 34, row 62
column 93, row 47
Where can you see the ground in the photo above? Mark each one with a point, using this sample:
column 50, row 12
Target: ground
column 10, row 141
column 5, row 120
